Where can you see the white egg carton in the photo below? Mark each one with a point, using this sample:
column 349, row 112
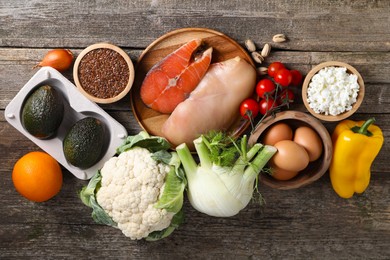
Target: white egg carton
column 76, row 107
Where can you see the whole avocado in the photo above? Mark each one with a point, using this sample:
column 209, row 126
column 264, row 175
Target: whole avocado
column 43, row 111
column 84, row 142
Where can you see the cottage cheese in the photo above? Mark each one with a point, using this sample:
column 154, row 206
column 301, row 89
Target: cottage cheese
column 332, row 91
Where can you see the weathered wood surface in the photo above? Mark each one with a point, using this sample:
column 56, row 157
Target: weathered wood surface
column 308, row 223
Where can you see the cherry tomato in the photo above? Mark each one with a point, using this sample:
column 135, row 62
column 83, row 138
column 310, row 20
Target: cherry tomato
column 296, row 78
column 265, row 87
column 265, row 105
column 287, row 96
column 283, row 77
column 249, row 108
column 274, row 67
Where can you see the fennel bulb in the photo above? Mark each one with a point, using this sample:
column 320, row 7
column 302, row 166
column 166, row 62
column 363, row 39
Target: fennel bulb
column 224, row 181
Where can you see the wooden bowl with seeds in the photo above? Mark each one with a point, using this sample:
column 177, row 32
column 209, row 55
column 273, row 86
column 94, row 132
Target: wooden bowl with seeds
column 104, row 73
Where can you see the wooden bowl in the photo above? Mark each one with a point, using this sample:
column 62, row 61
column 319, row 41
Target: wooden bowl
column 315, row 169
column 350, row 70
column 125, row 87
column 224, row 48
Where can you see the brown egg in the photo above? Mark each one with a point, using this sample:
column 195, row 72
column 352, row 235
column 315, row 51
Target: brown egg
column 276, row 133
column 282, row 174
column 310, row 140
column 290, row 156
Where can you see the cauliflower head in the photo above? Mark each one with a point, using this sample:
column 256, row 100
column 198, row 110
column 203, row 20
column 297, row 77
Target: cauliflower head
column 131, row 185
column 140, row 191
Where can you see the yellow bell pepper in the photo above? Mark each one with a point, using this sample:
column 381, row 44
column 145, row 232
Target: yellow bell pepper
column 355, row 146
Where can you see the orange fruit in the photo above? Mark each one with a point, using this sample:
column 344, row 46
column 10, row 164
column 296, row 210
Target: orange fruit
column 37, row 176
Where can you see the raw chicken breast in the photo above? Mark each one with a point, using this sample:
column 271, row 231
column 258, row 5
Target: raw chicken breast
column 214, row 104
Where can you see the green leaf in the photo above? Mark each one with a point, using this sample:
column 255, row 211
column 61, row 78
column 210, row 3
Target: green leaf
column 162, row 156
column 223, row 149
column 89, row 191
column 144, row 140
column 99, row 215
column 175, row 161
column 177, row 220
column 88, row 197
column 157, row 235
column 172, row 196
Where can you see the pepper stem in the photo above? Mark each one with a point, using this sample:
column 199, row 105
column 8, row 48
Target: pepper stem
column 364, row 128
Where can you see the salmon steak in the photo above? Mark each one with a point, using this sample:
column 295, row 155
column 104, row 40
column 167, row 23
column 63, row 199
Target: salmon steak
column 170, row 81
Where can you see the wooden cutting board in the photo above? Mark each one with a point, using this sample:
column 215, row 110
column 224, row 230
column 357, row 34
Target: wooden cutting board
column 224, row 48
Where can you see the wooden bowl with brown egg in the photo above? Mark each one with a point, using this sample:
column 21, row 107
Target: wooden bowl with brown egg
column 314, row 169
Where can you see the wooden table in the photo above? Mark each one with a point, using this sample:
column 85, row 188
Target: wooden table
column 306, row 223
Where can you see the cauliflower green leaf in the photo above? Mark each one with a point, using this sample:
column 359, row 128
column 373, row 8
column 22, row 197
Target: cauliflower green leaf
column 88, row 197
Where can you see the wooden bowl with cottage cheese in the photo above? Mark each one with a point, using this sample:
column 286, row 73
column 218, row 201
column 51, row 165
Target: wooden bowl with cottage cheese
column 333, row 91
